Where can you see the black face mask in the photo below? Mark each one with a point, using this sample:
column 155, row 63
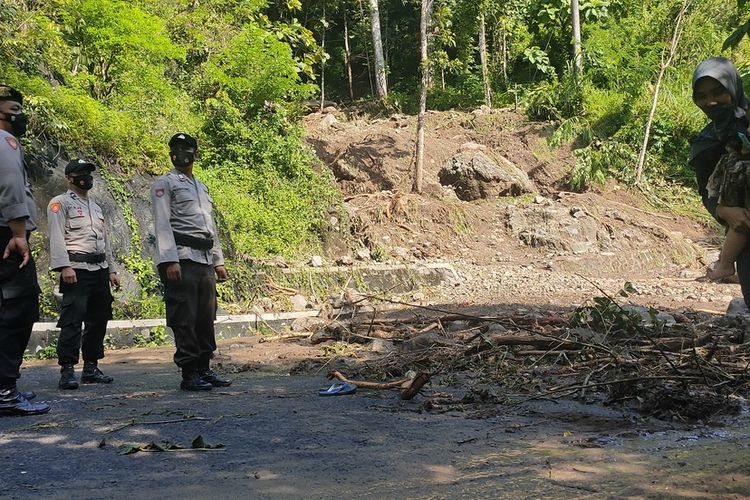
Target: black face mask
column 18, row 123
column 182, row 159
column 720, row 113
column 84, row 182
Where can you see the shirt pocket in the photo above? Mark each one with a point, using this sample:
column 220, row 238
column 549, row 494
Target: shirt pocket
column 183, row 198
column 76, row 219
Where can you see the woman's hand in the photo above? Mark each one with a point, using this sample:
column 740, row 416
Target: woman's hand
column 736, row 217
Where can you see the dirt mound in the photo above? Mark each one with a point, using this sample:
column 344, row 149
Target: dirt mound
column 607, row 232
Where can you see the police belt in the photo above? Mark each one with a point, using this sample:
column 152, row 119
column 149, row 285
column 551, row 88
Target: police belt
column 185, row 240
column 90, row 258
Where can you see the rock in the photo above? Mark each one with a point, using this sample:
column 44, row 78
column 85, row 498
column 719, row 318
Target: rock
column 475, row 175
column 307, row 324
column 540, row 200
column 329, row 109
column 496, row 328
column 299, row 303
column 382, row 346
column 737, row 307
column 401, row 252
column 643, row 312
column 472, row 146
column 425, row 341
column 328, row 121
column 316, row 261
column 363, row 254
column 345, row 260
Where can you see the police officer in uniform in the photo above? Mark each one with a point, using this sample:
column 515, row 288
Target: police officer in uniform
column 80, row 252
column 189, row 260
column 19, row 289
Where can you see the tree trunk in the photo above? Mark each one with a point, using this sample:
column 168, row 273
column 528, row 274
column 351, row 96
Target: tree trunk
column 483, row 59
column 323, row 62
column 381, row 82
column 348, row 58
column 367, row 52
column 665, row 62
column 425, row 67
column 577, row 52
column 505, row 59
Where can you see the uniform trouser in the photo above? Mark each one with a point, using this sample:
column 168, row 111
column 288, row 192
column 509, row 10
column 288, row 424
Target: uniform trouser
column 191, row 312
column 19, row 309
column 87, row 302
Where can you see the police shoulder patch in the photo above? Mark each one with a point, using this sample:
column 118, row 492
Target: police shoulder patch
column 159, row 192
column 12, row 142
column 54, row 207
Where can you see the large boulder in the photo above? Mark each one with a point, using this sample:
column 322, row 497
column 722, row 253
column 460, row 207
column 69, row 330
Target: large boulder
column 475, row 175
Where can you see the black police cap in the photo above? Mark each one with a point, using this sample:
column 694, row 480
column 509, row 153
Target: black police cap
column 182, row 138
column 79, row 165
column 8, row 93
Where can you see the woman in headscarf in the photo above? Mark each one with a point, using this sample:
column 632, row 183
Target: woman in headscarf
column 717, row 91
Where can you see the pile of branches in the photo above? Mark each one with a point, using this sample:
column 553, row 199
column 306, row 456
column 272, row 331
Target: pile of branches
column 686, row 367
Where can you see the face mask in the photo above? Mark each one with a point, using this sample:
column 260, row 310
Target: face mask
column 721, row 113
column 18, row 123
column 182, row 159
column 84, row 182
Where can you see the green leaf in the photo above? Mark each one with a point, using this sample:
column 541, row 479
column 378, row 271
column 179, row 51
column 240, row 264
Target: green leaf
column 199, row 444
column 734, row 39
column 127, row 449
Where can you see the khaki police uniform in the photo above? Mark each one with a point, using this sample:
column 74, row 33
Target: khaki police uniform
column 19, row 289
column 186, row 233
column 78, row 239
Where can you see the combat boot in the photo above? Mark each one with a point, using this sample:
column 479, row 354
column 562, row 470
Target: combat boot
column 67, row 378
column 13, row 402
column 210, row 376
column 93, row 375
column 192, row 381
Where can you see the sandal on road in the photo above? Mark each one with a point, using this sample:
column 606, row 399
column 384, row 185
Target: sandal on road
column 338, row 389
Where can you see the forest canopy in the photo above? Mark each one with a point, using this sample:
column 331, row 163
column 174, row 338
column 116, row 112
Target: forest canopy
column 113, row 79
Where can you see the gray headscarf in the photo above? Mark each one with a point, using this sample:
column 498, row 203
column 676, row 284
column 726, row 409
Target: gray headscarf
column 714, row 134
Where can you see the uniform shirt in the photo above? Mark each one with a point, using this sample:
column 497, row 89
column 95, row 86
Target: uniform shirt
column 181, row 204
column 78, row 226
column 16, row 197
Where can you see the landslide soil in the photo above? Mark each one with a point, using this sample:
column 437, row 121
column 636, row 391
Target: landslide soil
column 552, row 247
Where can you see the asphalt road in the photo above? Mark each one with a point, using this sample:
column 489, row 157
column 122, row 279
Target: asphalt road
column 281, row 440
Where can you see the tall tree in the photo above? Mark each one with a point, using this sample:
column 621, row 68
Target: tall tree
column 425, row 67
column 348, row 56
column 483, row 60
column 577, row 51
column 381, row 79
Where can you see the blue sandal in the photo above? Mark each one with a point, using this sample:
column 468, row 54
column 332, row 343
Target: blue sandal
column 338, row 389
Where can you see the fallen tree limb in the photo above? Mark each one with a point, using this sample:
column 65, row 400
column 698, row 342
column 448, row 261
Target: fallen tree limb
column 409, row 387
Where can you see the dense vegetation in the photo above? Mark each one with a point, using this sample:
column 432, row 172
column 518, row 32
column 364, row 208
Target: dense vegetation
column 113, row 79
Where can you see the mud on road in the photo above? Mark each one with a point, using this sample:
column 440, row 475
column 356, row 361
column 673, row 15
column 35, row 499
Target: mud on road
column 282, row 440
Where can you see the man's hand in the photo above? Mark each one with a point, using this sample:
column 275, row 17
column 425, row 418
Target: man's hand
column 221, row 273
column 174, row 272
column 114, row 281
column 738, row 218
column 69, row 276
column 19, row 245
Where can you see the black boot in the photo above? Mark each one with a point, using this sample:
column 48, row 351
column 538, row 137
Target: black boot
column 93, row 375
column 13, row 402
column 210, row 376
column 67, row 378
column 192, row 381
